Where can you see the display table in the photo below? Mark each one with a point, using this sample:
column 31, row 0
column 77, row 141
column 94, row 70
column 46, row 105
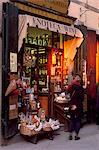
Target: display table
column 59, row 114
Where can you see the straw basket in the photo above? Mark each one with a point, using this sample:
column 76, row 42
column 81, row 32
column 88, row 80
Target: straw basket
column 47, row 129
column 34, row 132
column 24, row 130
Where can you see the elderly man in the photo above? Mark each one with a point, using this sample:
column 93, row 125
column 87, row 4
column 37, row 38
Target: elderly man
column 76, row 106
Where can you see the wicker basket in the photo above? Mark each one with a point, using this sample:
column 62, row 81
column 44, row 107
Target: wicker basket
column 34, row 132
column 47, row 129
column 25, row 130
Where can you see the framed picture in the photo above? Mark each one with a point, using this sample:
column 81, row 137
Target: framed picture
column 13, row 62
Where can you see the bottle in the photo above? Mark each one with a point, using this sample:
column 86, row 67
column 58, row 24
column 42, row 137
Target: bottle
column 38, row 104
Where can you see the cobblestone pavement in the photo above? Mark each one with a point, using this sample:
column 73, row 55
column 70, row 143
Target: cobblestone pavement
column 89, row 140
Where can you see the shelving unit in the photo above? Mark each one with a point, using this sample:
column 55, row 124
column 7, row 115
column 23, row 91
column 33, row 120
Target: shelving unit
column 43, row 65
column 36, row 66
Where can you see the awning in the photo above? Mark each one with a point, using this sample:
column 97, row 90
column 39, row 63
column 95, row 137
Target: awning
column 46, row 25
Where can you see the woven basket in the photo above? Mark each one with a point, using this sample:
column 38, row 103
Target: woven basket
column 47, row 129
column 34, row 132
column 25, row 130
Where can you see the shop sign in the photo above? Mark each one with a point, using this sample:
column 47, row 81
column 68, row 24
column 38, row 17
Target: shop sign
column 53, row 26
column 39, row 40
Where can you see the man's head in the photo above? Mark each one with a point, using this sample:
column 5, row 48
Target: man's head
column 77, row 78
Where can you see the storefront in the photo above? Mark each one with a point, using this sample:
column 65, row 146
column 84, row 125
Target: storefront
column 39, row 50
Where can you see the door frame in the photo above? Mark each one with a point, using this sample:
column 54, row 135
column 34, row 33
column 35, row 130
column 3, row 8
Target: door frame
column 9, row 45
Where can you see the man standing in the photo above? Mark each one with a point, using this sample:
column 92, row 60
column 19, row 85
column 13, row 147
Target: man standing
column 76, row 106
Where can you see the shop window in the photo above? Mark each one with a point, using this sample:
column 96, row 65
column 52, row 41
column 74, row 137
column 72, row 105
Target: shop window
column 38, row 37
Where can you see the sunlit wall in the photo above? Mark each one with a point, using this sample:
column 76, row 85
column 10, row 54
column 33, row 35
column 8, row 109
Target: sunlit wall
column 85, row 11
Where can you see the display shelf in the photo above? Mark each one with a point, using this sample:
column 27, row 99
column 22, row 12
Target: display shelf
column 37, row 65
column 59, row 114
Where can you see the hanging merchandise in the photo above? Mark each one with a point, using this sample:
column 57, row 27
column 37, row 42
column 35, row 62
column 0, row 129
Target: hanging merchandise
column 33, row 61
column 12, row 86
column 53, row 58
column 27, row 61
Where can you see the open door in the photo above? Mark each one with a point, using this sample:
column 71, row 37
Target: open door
column 10, row 48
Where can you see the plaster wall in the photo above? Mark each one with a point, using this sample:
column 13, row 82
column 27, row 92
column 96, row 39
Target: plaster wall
column 86, row 12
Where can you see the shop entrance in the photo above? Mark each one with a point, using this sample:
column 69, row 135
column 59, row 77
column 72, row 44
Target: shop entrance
column 37, row 61
column 42, row 60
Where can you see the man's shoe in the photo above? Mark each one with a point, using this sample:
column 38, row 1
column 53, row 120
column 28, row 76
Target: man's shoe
column 70, row 137
column 77, row 138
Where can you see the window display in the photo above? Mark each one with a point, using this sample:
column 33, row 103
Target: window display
column 35, row 63
column 57, row 69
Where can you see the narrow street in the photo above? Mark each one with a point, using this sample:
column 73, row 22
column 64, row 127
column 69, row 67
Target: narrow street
column 89, row 140
column 49, row 74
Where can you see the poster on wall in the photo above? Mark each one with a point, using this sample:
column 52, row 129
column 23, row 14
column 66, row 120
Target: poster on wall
column 13, row 62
